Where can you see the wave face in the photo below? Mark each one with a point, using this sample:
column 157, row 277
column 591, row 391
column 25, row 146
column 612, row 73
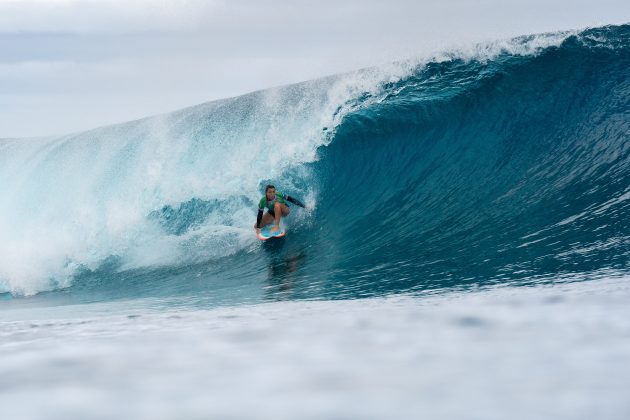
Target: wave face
column 508, row 162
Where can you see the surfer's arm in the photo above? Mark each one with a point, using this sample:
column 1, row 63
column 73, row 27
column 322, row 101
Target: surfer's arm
column 295, row 201
column 259, row 218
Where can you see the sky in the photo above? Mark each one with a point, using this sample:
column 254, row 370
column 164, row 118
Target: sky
column 72, row 65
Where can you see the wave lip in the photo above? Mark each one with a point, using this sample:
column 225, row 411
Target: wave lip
column 489, row 169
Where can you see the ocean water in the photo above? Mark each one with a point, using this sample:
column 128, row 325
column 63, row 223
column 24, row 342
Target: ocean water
column 556, row 351
column 465, row 252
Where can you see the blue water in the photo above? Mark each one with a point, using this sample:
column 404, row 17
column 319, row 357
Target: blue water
column 465, row 252
column 505, row 163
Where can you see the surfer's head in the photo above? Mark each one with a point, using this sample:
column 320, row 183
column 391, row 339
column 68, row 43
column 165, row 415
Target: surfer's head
column 270, row 192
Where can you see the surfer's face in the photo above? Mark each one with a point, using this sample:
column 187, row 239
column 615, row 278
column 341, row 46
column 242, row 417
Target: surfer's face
column 271, row 193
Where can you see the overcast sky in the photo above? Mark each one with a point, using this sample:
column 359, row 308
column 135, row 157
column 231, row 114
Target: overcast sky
column 70, row 65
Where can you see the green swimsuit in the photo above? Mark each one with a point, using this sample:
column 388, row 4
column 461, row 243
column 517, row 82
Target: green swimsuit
column 268, row 204
column 264, row 203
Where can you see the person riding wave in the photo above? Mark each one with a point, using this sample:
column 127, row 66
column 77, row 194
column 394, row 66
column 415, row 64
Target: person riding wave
column 277, row 207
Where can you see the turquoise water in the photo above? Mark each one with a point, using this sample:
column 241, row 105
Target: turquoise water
column 505, row 163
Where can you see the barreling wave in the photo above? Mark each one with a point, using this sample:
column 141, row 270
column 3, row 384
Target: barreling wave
column 510, row 161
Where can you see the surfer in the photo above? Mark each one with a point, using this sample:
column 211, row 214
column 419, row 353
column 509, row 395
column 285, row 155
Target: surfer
column 277, row 207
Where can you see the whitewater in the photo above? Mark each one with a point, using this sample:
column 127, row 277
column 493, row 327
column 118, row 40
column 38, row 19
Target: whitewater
column 465, row 250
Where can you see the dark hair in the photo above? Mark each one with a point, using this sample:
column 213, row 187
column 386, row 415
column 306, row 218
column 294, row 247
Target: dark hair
column 268, row 187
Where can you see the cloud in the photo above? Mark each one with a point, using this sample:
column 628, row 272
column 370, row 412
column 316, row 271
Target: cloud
column 129, row 59
column 100, row 16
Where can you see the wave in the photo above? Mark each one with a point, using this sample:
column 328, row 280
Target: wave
column 510, row 160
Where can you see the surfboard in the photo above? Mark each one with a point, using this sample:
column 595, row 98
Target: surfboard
column 266, row 233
